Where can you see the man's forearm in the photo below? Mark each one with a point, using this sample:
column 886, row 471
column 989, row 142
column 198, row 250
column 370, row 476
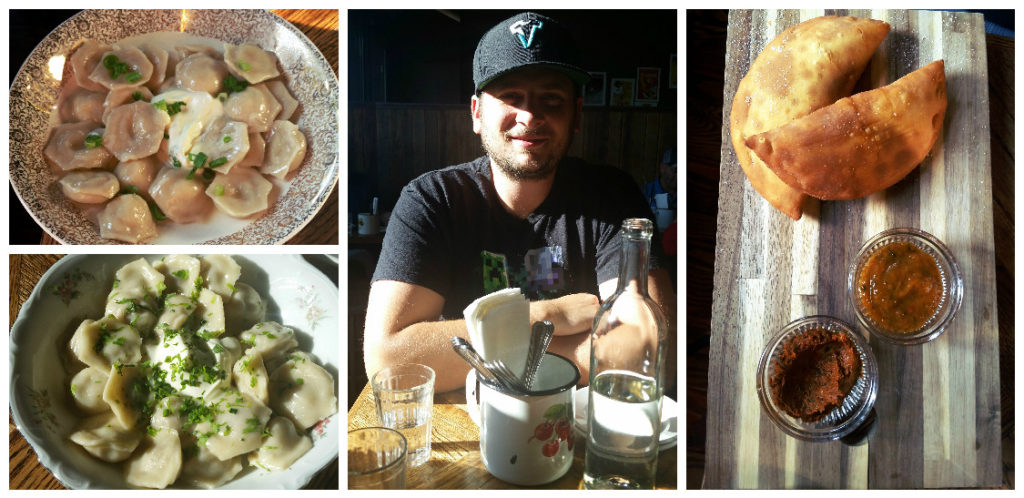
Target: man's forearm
column 427, row 343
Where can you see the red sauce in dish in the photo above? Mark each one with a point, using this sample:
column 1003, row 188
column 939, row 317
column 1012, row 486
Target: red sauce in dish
column 814, row 372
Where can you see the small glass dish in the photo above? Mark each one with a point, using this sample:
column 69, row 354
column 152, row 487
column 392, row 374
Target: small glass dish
column 949, row 271
column 856, row 408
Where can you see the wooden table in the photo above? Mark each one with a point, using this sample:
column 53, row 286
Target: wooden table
column 321, row 27
column 25, row 470
column 938, row 404
column 455, row 461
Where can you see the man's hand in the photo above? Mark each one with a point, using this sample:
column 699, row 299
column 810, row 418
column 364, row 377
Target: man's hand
column 572, row 314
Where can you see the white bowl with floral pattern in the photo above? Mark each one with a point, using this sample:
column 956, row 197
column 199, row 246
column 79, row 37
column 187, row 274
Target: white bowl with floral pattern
column 297, row 295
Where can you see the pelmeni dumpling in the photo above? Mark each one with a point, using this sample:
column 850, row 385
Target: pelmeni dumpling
column 205, row 470
column 250, row 62
column 177, row 310
column 138, row 173
column 101, row 343
column 87, row 56
column 286, row 147
column 224, row 141
column 255, row 155
column 284, row 97
column 87, row 390
column 104, row 438
column 236, row 427
column 251, row 376
column 136, row 279
column 135, row 130
column 200, row 72
column 210, row 313
column 122, row 96
column 123, row 395
column 182, row 272
column 255, row 106
column 270, row 339
column 156, row 462
column 243, row 309
column 242, row 192
column 182, row 199
column 166, row 414
column 283, row 447
column 81, row 104
column 302, row 390
column 220, row 273
column 127, row 218
column 69, row 148
column 139, row 69
column 89, row 186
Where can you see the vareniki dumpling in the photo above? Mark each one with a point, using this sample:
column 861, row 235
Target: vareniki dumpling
column 286, row 147
column 250, row 62
column 127, row 218
column 78, row 146
column 201, row 73
column 90, row 186
column 302, row 390
column 137, row 69
column 135, row 130
column 255, row 106
column 181, row 198
column 240, row 193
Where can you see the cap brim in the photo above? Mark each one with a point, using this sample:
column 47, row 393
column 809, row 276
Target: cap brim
column 577, row 75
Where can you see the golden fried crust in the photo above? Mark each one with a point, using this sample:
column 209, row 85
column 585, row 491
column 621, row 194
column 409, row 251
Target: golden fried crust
column 808, row 66
column 860, row 144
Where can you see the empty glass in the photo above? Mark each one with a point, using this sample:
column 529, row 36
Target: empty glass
column 404, row 395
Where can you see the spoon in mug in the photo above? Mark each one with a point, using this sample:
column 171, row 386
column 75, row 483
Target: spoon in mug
column 540, row 339
column 468, row 353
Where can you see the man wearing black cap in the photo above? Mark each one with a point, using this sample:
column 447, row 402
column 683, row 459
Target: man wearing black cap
column 524, row 215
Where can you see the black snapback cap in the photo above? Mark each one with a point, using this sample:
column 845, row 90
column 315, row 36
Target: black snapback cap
column 526, row 39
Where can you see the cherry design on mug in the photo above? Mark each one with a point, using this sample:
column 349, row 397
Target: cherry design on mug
column 555, row 428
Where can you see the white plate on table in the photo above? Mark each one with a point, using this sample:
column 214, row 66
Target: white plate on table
column 669, row 424
column 297, row 295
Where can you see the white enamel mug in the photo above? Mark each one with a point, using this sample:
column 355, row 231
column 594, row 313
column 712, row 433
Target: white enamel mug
column 527, row 439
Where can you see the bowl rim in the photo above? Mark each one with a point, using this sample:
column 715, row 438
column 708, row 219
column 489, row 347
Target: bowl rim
column 869, row 374
column 952, row 284
column 331, row 179
column 60, row 468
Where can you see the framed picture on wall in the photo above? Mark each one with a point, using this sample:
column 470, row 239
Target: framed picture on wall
column 648, row 84
column 593, row 92
column 622, row 92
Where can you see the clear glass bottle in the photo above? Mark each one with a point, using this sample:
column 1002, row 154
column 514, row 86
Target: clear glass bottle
column 627, row 353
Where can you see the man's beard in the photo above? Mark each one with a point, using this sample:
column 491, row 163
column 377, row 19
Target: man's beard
column 499, row 149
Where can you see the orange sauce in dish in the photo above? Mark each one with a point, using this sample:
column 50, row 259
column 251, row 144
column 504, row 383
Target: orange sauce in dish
column 900, row 287
column 814, row 372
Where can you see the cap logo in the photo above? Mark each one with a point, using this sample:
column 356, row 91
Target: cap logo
column 520, row 28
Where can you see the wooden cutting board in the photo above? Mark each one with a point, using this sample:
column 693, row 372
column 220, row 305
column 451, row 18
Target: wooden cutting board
column 938, row 403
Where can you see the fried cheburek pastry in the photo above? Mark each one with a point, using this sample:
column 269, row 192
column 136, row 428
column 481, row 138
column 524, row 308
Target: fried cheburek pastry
column 808, row 66
column 860, row 144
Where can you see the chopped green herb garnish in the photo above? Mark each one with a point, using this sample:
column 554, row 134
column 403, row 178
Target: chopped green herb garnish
column 218, row 190
column 222, row 96
column 180, row 273
column 191, row 174
column 299, row 381
column 171, row 109
column 220, row 161
column 158, row 215
column 93, row 141
column 232, row 287
column 161, row 287
column 232, row 84
column 117, row 68
column 218, row 349
column 244, row 66
column 198, row 160
column 129, row 189
column 133, row 77
column 175, row 162
column 74, row 389
column 227, row 138
column 137, row 96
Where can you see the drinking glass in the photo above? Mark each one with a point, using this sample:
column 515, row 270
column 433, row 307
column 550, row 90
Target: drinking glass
column 376, row 459
column 404, row 396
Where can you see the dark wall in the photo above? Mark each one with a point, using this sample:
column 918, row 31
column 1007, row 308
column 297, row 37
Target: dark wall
column 427, row 56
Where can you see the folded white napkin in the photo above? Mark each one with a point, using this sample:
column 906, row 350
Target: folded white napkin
column 499, row 327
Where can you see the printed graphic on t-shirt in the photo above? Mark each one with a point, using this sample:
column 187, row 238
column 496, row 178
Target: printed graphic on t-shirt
column 541, row 274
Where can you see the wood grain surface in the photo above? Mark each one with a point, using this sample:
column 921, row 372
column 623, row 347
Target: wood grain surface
column 25, row 470
column 455, row 461
column 938, row 403
column 321, row 27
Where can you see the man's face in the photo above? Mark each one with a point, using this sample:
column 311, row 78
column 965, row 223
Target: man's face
column 526, row 121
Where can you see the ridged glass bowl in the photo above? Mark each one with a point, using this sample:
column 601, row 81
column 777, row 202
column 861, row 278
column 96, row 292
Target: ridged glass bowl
column 856, row 406
column 949, row 271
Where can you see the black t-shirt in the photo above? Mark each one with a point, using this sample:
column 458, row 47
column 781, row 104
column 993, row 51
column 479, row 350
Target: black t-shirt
column 449, row 233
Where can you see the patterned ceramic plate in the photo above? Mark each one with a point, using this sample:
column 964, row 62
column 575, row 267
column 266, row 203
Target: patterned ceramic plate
column 307, row 74
column 298, row 295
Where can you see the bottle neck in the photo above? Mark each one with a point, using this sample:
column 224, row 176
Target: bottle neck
column 634, row 263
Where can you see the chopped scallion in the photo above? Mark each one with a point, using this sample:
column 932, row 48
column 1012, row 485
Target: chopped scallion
column 93, row 141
